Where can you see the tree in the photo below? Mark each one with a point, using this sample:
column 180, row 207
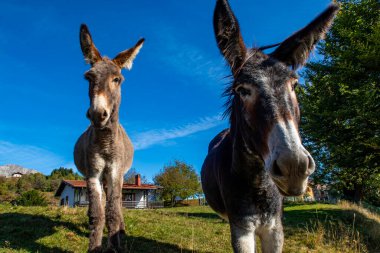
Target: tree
column 64, row 173
column 24, row 184
column 129, row 177
column 178, row 180
column 341, row 101
column 28, row 182
column 8, row 189
column 57, row 175
column 39, row 182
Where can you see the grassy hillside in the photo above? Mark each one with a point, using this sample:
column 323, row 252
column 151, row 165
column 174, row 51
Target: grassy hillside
column 308, row 228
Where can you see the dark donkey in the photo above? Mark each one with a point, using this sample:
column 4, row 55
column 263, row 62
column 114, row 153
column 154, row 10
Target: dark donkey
column 104, row 152
column 260, row 155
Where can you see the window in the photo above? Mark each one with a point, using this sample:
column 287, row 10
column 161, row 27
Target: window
column 129, row 197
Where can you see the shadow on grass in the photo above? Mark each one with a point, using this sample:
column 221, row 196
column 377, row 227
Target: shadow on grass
column 200, row 215
column 144, row 245
column 23, row 231
column 337, row 222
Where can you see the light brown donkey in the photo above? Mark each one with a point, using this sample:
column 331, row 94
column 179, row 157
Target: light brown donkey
column 103, row 153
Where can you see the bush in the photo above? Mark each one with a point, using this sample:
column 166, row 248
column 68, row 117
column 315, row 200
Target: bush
column 31, row 198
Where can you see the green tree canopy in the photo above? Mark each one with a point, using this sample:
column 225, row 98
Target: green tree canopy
column 64, row 173
column 28, row 182
column 57, row 175
column 179, row 180
column 341, row 101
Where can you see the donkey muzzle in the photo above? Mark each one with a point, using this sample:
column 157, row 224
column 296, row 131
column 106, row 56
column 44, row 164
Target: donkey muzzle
column 99, row 118
column 290, row 171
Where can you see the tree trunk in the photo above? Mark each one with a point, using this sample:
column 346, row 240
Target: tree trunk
column 358, row 194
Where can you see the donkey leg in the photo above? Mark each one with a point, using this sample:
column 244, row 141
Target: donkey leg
column 122, row 224
column 242, row 239
column 95, row 214
column 113, row 210
column 272, row 239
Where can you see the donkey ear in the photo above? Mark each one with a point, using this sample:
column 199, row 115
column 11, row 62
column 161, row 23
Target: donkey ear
column 90, row 52
column 125, row 58
column 295, row 50
column 228, row 36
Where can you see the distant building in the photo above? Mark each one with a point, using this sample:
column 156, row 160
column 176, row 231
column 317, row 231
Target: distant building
column 74, row 193
column 17, row 174
column 321, row 193
column 318, row 192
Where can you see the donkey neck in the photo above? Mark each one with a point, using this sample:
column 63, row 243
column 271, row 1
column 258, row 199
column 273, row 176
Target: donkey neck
column 114, row 119
column 246, row 160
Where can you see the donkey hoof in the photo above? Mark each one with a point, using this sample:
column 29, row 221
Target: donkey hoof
column 95, row 250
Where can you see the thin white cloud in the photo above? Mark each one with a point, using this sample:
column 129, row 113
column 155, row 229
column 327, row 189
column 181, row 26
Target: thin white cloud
column 29, row 156
column 162, row 136
column 190, row 60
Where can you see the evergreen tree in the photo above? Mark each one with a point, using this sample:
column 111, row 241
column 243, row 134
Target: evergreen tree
column 341, row 102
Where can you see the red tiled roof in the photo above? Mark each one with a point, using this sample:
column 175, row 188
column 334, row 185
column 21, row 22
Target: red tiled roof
column 142, row 186
column 75, row 183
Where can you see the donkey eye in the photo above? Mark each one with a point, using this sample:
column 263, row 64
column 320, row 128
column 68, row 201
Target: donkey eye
column 116, row 80
column 243, row 91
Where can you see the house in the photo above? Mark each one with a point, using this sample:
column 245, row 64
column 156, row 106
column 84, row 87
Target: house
column 74, row 193
column 321, row 193
column 17, row 174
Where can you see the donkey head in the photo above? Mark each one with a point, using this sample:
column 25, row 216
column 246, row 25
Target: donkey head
column 263, row 104
column 105, row 79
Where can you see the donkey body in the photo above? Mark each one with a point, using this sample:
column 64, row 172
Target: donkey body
column 104, row 153
column 260, row 157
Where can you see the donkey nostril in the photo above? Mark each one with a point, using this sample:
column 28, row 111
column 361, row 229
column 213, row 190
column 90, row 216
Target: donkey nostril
column 276, row 170
column 105, row 114
column 310, row 165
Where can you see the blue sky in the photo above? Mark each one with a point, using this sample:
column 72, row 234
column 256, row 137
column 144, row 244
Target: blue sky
column 171, row 99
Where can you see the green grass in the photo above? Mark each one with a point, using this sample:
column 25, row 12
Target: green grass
column 308, row 228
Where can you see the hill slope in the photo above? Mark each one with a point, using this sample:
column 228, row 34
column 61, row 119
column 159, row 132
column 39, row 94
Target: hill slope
column 9, row 169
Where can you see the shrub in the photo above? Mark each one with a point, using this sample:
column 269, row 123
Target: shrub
column 31, row 198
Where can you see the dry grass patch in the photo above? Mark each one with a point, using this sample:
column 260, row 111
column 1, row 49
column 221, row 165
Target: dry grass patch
column 330, row 228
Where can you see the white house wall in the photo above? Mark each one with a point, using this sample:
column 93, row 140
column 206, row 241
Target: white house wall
column 68, row 191
column 140, row 199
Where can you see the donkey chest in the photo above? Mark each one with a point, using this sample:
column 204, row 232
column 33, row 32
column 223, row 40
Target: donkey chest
column 251, row 206
column 104, row 157
column 108, row 147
